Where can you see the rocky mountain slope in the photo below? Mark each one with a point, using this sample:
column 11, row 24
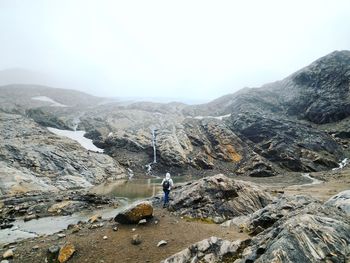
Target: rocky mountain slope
column 258, row 131
column 33, row 159
column 298, row 124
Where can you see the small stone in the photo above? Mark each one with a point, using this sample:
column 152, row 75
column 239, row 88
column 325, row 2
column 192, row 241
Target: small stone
column 156, row 222
column 115, row 228
column 4, row 261
column 52, row 253
column 133, row 230
column 94, row 218
column 136, row 240
column 61, row 235
column 30, row 217
column 142, row 222
column 35, row 247
column 66, row 252
column 8, row 254
column 105, row 237
column 162, row 243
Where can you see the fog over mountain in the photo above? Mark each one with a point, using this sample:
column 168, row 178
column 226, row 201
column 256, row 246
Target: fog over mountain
column 197, row 50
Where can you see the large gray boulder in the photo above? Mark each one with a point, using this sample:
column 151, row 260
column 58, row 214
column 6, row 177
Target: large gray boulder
column 341, row 201
column 208, row 250
column 218, row 198
column 297, row 229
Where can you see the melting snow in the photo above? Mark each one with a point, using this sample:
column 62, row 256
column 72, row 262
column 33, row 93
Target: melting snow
column 210, row 117
column 77, row 136
column 47, row 99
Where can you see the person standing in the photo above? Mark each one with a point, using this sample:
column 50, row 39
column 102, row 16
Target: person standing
column 167, row 184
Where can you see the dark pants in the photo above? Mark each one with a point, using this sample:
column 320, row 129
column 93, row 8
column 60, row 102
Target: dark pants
column 166, row 196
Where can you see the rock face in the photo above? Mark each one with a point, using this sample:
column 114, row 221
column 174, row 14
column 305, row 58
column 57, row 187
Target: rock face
column 298, row 229
column 32, row 158
column 290, row 229
column 208, row 250
column 134, row 213
column 217, row 198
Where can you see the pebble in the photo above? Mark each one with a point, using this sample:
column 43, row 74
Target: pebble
column 8, row 254
column 142, row 222
column 136, row 240
column 162, row 243
column 4, row 261
column 133, row 230
column 115, row 228
column 105, row 237
column 61, row 235
column 35, row 247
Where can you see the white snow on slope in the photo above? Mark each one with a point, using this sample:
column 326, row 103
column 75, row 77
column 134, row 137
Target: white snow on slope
column 77, row 136
column 47, row 99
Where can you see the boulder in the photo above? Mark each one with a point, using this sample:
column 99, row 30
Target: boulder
column 301, row 238
column 135, row 213
column 218, row 197
column 341, row 201
column 208, row 250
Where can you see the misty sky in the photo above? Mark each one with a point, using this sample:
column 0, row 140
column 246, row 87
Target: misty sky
column 179, row 49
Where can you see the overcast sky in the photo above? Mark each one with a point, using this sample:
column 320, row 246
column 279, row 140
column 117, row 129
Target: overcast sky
column 179, row 49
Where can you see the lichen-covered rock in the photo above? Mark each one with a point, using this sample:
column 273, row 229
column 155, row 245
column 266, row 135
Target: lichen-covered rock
column 208, row 250
column 134, row 213
column 66, row 252
column 218, row 196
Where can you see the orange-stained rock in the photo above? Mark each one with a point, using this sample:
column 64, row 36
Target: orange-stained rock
column 66, row 252
column 133, row 214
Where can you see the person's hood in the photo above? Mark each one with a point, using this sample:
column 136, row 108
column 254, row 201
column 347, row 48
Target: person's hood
column 167, row 176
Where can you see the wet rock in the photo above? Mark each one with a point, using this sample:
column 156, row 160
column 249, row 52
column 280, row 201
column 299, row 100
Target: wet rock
column 30, row 217
column 340, row 201
column 218, row 197
column 136, row 239
column 94, row 219
column 135, row 213
column 208, row 250
column 66, row 252
column 8, row 254
column 162, row 243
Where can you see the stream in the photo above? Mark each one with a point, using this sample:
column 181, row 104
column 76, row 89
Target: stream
column 126, row 191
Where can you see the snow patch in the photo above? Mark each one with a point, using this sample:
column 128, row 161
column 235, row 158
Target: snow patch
column 47, row 99
column 210, row 117
column 77, row 136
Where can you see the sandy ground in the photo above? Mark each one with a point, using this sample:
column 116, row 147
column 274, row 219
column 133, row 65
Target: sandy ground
column 91, row 247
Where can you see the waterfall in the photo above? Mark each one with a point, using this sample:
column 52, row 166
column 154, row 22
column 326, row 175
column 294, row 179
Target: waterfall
column 149, row 166
column 154, row 145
